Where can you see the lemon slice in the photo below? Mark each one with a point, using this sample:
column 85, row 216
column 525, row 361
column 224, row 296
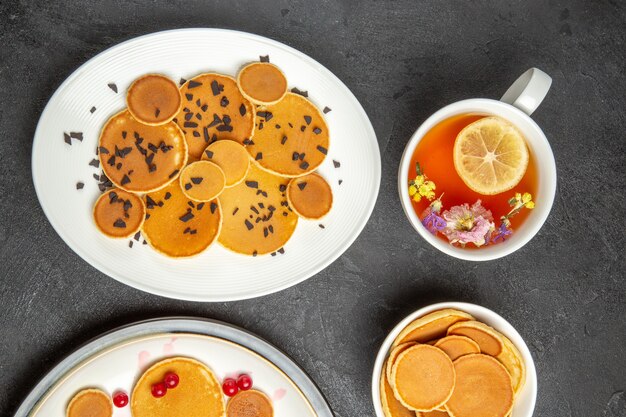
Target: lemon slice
column 490, row 156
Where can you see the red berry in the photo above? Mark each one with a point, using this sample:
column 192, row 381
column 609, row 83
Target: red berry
column 229, row 386
column 158, row 390
column 171, row 380
column 120, row 399
column 244, row 382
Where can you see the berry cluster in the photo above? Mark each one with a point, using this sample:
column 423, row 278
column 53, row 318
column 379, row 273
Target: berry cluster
column 170, row 381
column 232, row 386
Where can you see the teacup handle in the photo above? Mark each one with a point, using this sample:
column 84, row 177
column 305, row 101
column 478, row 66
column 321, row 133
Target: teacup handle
column 528, row 91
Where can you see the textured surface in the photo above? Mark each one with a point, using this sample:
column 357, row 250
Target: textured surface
column 564, row 292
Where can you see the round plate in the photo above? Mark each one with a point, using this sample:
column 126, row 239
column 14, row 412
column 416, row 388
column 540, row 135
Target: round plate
column 524, row 402
column 217, row 274
column 115, row 361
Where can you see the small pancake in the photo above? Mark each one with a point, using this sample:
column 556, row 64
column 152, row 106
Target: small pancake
column 178, row 227
column 262, row 83
column 457, row 346
column 202, row 181
column 513, row 362
column 483, row 388
column 251, row 403
column 291, row 137
column 198, row 393
column 118, row 213
column 310, row 196
column 431, row 326
column 434, row 413
column 489, row 341
column 393, row 355
column 90, row 403
column 257, row 218
column 390, row 405
column 231, row 157
column 422, row 378
column 141, row 158
column 154, row 99
column 213, row 109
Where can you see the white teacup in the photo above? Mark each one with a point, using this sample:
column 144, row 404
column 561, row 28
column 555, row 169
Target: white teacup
column 516, row 106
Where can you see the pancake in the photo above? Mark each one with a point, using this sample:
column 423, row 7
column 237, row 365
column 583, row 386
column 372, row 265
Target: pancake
column 393, row 355
column 431, row 326
column 90, row 403
column 422, row 378
column 291, row 137
column 390, row 405
column 310, row 196
column 231, row 157
column 178, row 227
column 213, row 109
column 141, row 158
column 118, row 213
column 434, row 413
column 489, row 341
column 457, row 346
column 513, row 362
column 251, row 403
column 154, row 99
column 262, row 83
column 483, row 388
column 198, row 393
column 257, row 218
column 202, row 181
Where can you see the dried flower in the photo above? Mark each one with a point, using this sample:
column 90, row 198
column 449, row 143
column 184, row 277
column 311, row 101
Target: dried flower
column 503, row 232
column 432, row 221
column 420, row 187
column 465, row 224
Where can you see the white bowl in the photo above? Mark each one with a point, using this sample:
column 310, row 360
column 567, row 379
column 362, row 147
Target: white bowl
column 524, row 402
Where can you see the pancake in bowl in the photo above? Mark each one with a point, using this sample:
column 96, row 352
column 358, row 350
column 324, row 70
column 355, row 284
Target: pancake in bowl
column 390, row 405
column 291, row 137
column 213, row 109
column 310, row 196
column 431, row 326
column 177, row 226
column 141, row 158
column 153, row 99
column 393, row 355
column 118, row 213
column 90, row 403
column 262, row 83
column 198, row 393
column 457, row 346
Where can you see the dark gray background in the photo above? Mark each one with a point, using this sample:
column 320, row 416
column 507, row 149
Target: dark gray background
column 564, row 291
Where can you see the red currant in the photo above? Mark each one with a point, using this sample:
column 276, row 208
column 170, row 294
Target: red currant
column 120, row 399
column 244, row 382
column 159, row 389
column 229, row 386
column 171, row 380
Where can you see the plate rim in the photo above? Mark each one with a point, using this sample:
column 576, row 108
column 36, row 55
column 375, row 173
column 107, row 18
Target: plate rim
column 194, row 326
column 190, row 296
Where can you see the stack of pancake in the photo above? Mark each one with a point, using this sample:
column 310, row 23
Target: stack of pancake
column 219, row 158
column 446, row 363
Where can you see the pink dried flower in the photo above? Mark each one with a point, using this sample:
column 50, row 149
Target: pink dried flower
column 465, row 224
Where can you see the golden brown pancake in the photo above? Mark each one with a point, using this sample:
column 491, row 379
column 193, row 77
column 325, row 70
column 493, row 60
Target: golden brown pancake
column 118, row 213
column 257, row 218
column 291, row 137
column 393, row 355
column 198, row 393
column 434, row 413
column 90, row 403
column 431, row 326
column 422, row 378
column 262, row 83
column 489, row 341
column 153, row 99
column 141, row 158
column 251, row 403
column 483, row 388
column 213, row 109
column 231, row 157
column 202, row 181
column 457, row 346
column 390, row 405
column 310, row 196
column 513, row 362
column 177, row 226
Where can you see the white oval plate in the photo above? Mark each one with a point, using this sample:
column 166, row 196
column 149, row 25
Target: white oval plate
column 217, row 274
column 116, row 360
column 524, row 402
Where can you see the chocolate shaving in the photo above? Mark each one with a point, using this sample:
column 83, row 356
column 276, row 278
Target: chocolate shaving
column 304, row 165
column 196, row 180
column 103, row 150
column 302, row 185
column 340, row 181
column 213, row 207
column 191, row 204
column 93, row 109
column 224, row 101
column 258, row 156
column 282, row 188
column 283, row 140
column 189, row 97
column 80, row 185
column 265, row 232
column 186, row 217
column 266, row 115
column 242, row 110
column 322, row 149
column 208, row 154
column 204, row 107
column 67, row 139
column 317, row 130
column 200, row 206
column 298, row 91
column 77, row 135
column 307, row 119
column 188, row 186
column 327, row 109
column 113, row 87
column 130, row 243
column 182, row 81
column 174, row 173
column 125, row 180
column 191, row 124
column 254, row 209
column 157, row 112
column 302, row 128
column 150, row 203
column 235, row 210
column 281, row 251
column 119, row 223
column 295, row 156
column 124, row 135
column 224, row 128
column 252, row 184
column 337, row 164
column 254, row 254
column 264, row 58
column 137, row 236
column 193, row 84
column 205, row 132
column 249, row 225
column 215, row 88
column 95, row 163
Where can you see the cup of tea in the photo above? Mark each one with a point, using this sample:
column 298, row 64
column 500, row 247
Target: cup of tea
column 477, row 179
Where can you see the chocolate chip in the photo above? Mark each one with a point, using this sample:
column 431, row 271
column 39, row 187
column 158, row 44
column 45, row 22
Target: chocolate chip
column 208, row 154
column 283, row 140
column 235, row 210
column 254, row 254
column 124, row 135
column 265, row 115
column 340, row 181
column 191, row 204
column 157, row 112
column 188, row 186
column 125, row 180
column 174, row 173
column 93, row 109
column 103, row 150
column 200, row 206
column 150, row 203
column 252, row 184
column 301, row 157
column 322, row 226
column 215, row 88
column 317, row 130
column 67, row 138
column 304, row 165
column 224, row 101
column 264, row 58
column 265, row 232
column 190, row 124
column 282, row 188
column 281, row 251
column 307, row 119
column 242, row 110
column 80, row 185
column 277, row 126
column 189, row 96
column 213, row 207
column 95, row 163
column 186, row 217
column 295, row 156
column 298, row 91
column 196, row 180
column 119, row 223
column 249, row 225
column 302, row 128
column 77, row 135
column 337, row 164
column 137, row 236
column 130, row 243
column 327, row 109
column 113, row 87
column 182, row 81
column 254, row 209
column 258, row 156
column 302, row 185
column 224, row 128
column 193, row 84
column 322, row 149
